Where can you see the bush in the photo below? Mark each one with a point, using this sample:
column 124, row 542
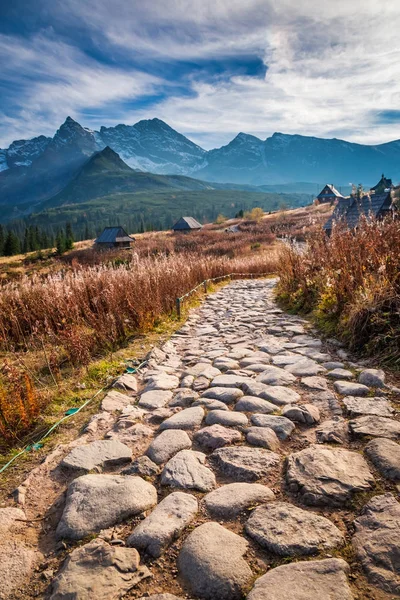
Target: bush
column 350, row 282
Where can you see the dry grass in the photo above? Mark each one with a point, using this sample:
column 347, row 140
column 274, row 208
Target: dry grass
column 351, row 284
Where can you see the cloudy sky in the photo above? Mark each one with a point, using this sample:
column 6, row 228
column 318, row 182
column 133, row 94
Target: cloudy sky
column 209, row 68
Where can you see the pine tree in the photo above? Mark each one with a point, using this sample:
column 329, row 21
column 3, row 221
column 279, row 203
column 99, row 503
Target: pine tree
column 12, row 245
column 2, row 240
column 69, row 237
column 60, row 243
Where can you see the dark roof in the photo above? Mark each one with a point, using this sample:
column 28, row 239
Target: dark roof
column 186, row 223
column 112, row 235
column 351, row 210
column 383, row 184
column 329, row 191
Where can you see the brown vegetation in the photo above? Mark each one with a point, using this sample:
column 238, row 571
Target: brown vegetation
column 350, row 282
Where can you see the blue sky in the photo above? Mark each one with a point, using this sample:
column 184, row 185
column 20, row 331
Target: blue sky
column 209, row 68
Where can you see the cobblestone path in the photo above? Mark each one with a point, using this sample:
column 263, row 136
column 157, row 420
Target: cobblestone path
column 248, row 460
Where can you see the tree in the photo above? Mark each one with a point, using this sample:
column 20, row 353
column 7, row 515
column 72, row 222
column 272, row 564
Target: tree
column 256, row 214
column 239, row 215
column 11, row 245
column 69, row 237
column 220, row 219
column 60, row 243
column 2, row 239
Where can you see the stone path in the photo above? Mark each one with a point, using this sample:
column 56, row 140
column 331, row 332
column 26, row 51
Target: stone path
column 248, row 460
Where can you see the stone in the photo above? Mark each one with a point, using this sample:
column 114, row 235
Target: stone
column 203, row 370
column 155, row 399
column 102, row 420
column 143, row 467
column 315, row 383
column 160, row 597
column 302, row 413
column 187, row 381
column 136, row 435
column 278, row 394
column 385, row 456
column 223, row 394
column 245, row 464
column 307, row 340
column 288, row 358
column 224, row 363
column 255, row 367
column 287, row 530
column 303, row 580
column 210, row 404
column 100, row 454
column 370, row 425
column 200, row 384
column 229, row 381
column 95, row 502
column 184, row 398
column 216, row 436
column 372, row 378
column 211, row 563
column 342, row 374
column 275, row 376
column 17, row 561
column 332, row 431
column 162, row 381
column 115, row 401
column 254, row 404
column 348, row 388
column 305, row 368
column 330, row 365
column 282, row 426
column 98, row 570
column 186, row 470
column 228, row 501
column 367, row 406
column 189, row 418
column 227, row 418
column 377, row 541
column 127, row 383
column 262, row 436
column 167, row 444
column 164, row 524
column 324, row 476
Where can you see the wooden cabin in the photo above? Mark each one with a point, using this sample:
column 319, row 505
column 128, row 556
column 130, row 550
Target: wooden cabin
column 186, row 224
column 329, row 194
column 383, row 185
column 349, row 210
column 114, row 237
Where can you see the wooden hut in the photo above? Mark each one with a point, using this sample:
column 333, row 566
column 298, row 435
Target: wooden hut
column 349, row 210
column 329, row 194
column 186, row 224
column 114, row 237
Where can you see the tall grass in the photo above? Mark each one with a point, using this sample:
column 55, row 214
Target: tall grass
column 350, row 282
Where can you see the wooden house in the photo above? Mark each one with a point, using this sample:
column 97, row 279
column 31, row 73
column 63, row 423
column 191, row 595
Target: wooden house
column 349, row 210
column 114, row 237
column 186, row 224
column 384, row 184
column 329, row 194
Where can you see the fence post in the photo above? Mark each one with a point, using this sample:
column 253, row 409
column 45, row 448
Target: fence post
column 205, row 285
column 178, row 307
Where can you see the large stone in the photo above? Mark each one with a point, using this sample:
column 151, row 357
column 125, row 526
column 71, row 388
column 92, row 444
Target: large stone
column 210, row 404
column 305, row 368
column 211, row 563
column 368, row 406
column 155, row 399
column 223, row 394
column 95, row 502
column 204, row 370
column 183, row 398
column 302, row 413
column 186, row 470
column 228, row 501
column 254, row 404
column 100, row 454
column 372, row 378
column 343, row 374
column 229, row 381
column 127, row 383
column 228, row 418
column 98, row 570
column 189, row 418
column 282, row 426
column 275, row 376
column 315, row 383
column 115, row 401
column 385, row 456
column 370, row 425
column 348, row 388
column 377, row 542
column 216, row 436
column 289, row 358
column 167, row 444
column 17, row 561
column 142, row 466
column 245, row 464
column 136, row 435
column 332, row 431
column 287, row 530
column 323, row 579
column 276, row 394
column 164, row 524
column 327, row 476
column 162, row 381
column 262, row 436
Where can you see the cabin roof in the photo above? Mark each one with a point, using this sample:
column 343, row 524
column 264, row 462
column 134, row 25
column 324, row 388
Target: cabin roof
column 331, row 192
column 383, row 183
column 113, row 235
column 186, row 223
column 351, row 209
